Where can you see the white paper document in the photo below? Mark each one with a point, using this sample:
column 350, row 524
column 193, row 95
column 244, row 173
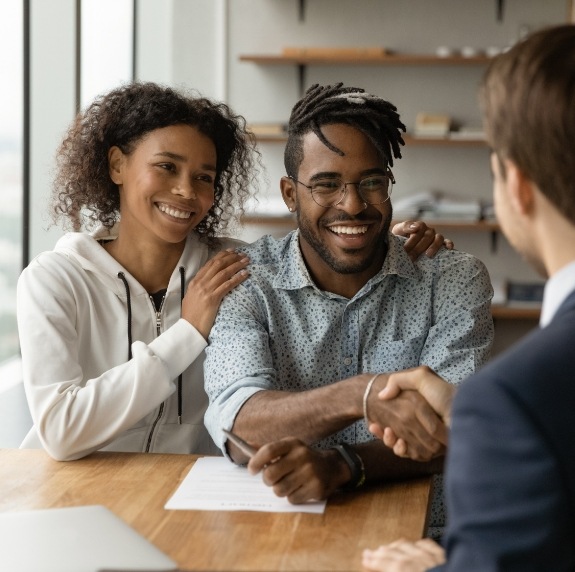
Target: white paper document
column 215, row 483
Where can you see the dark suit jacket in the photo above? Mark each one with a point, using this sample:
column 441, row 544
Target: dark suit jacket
column 510, row 476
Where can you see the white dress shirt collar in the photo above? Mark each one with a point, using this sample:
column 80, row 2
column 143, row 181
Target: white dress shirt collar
column 558, row 287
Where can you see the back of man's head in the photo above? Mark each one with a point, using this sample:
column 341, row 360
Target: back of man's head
column 528, row 102
column 323, row 105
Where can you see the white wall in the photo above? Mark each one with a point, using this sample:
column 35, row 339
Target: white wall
column 197, row 43
column 267, row 93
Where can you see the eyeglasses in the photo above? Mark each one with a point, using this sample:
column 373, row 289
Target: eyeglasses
column 373, row 190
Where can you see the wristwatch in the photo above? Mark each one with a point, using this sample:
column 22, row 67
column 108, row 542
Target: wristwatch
column 355, row 465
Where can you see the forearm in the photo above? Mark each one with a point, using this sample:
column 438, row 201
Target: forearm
column 307, row 415
column 75, row 416
column 79, row 419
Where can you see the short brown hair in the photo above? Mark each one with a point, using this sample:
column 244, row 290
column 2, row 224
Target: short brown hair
column 528, row 102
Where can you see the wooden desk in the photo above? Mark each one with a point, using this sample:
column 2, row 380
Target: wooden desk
column 136, row 487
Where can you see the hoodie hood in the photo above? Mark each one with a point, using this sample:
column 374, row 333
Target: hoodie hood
column 87, row 252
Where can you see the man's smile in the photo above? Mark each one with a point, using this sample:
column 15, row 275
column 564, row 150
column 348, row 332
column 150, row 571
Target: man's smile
column 346, row 229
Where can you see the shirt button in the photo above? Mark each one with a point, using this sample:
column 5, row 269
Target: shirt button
column 347, row 361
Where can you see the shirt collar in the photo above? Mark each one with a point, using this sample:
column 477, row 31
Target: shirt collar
column 293, row 273
column 558, row 287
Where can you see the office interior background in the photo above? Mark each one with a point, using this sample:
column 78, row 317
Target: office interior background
column 58, row 55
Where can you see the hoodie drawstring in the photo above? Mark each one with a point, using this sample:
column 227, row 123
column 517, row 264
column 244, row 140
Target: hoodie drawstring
column 129, row 303
column 182, row 292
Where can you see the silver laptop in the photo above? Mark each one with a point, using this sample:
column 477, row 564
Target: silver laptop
column 76, row 539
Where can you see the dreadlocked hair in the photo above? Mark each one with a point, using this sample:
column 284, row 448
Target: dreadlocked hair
column 322, row 105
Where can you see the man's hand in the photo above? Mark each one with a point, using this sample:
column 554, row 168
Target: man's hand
column 435, row 390
column 412, row 420
column 404, row 556
column 420, row 238
column 298, row 472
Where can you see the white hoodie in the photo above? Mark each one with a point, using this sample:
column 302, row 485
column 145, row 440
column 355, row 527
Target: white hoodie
column 83, row 392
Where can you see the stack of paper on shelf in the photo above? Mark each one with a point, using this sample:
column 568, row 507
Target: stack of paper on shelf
column 430, row 125
column 434, row 206
column 454, row 210
column 412, row 206
column 470, row 133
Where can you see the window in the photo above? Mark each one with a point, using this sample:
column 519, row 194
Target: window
column 106, row 34
column 106, row 46
column 11, row 161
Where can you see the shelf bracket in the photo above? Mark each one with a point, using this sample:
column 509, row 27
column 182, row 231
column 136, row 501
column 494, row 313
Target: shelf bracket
column 301, row 69
column 301, row 10
column 494, row 239
column 500, row 5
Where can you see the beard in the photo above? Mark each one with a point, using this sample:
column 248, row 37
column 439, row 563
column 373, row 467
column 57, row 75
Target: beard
column 378, row 250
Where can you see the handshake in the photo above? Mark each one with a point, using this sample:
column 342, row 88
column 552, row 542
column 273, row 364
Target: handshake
column 410, row 412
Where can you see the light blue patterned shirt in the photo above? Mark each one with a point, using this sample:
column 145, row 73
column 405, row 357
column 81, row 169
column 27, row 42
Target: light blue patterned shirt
column 278, row 331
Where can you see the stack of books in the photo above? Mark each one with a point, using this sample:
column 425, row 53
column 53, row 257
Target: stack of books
column 517, row 294
column 525, row 293
column 428, row 125
column 268, row 129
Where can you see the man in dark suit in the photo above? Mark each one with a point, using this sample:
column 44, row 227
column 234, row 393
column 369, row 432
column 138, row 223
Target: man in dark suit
column 511, row 460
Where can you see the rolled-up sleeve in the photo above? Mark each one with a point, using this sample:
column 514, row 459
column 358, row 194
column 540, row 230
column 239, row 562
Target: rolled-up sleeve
column 460, row 338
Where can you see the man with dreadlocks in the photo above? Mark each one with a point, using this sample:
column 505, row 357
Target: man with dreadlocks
column 295, row 350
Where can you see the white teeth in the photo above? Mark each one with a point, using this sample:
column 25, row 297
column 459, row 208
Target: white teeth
column 174, row 212
column 349, row 229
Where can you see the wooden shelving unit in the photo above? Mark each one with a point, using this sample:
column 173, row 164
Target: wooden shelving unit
column 289, row 220
column 382, row 60
column 515, row 313
column 302, row 61
column 499, row 312
column 409, row 140
column 443, row 141
column 479, row 226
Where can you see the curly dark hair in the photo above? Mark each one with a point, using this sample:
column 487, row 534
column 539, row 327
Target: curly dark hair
column 323, row 105
column 83, row 192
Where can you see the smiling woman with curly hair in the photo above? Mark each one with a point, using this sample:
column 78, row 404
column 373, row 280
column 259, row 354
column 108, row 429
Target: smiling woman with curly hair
column 113, row 322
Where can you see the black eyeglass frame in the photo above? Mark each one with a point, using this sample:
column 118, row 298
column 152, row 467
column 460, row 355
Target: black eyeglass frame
column 388, row 174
